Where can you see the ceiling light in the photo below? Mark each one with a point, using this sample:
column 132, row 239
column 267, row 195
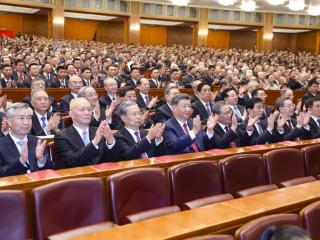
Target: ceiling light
column 226, row 2
column 159, row 22
column 88, row 16
column 180, row 2
column 296, row 5
column 248, row 5
column 15, row 9
column 225, row 27
column 276, row 2
column 314, row 10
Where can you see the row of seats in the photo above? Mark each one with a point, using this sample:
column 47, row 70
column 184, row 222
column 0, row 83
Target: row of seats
column 307, row 219
column 144, row 193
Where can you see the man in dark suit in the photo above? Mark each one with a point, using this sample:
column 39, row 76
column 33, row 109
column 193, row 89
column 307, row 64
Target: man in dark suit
column 184, row 135
column 210, row 78
column 164, row 112
column 7, row 81
column 154, row 78
column 19, row 152
column 255, row 130
column 195, row 96
column 313, row 107
column 19, row 74
column 231, row 98
column 203, row 107
column 260, row 93
column 313, row 87
column 75, row 84
column 43, row 122
column 134, row 142
column 289, row 128
column 144, row 100
column 134, row 77
column 60, row 80
column 174, row 78
column 34, row 73
column 111, row 88
column 47, row 75
column 80, row 144
column 190, row 76
column 40, row 84
column 225, row 131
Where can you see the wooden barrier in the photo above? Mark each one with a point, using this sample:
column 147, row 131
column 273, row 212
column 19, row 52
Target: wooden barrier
column 219, row 218
column 16, row 94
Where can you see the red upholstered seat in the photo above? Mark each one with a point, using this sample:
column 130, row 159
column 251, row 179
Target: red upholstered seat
column 57, row 162
column 311, row 219
column 13, row 215
column 136, row 191
column 254, row 229
column 244, row 175
column 311, row 157
column 68, row 204
column 66, row 121
column 194, row 180
column 285, row 167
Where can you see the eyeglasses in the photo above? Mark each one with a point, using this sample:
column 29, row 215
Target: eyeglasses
column 227, row 113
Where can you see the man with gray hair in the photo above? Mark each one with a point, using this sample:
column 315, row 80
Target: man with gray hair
column 134, row 142
column 19, row 152
column 81, row 144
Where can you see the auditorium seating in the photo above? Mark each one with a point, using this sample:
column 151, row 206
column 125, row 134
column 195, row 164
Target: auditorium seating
column 311, row 219
column 253, row 230
column 137, row 217
column 68, row 204
column 13, row 219
column 194, row 180
column 66, row 121
column 137, row 190
column 81, row 231
column 285, row 167
column 244, row 175
column 57, row 162
column 312, row 160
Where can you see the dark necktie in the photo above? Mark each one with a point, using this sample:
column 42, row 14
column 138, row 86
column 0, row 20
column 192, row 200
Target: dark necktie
column 318, row 122
column 138, row 139
column 193, row 145
column 208, row 108
column 233, row 143
column 259, row 128
column 147, row 100
column 289, row 124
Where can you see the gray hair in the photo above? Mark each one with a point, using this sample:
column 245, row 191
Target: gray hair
column 177, row 98
column 35, row 91
column 17, row 106
column 108, row 78
column 123, row 108
column 280, row 102
column 82, row 91
column 216, row 108
column 284, row 90
column 168, row 89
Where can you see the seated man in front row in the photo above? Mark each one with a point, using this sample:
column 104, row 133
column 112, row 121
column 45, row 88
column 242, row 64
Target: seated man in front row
column 184, row 135
column 80, row 144
column 19, row 152
column 134, row 142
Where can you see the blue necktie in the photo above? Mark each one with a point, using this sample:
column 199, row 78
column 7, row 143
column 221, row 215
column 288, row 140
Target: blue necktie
column 43, row 120
column 85, row 137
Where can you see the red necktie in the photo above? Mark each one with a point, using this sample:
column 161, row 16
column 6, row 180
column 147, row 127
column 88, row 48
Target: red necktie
column 193, row 145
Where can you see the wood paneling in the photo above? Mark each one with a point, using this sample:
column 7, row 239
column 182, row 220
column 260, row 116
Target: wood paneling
column 283, row 41
column 153, row 35
column 242, row 39
column 110, row 32
column 307, row 41
column 13, row 22
column 35, row 25
column 218, row 39
column 179, row 35
column 79, row 29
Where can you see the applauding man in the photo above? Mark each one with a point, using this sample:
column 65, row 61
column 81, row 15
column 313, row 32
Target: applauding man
column 183, row 134
column 134, row 142
column 79, row 144
column 19, row 152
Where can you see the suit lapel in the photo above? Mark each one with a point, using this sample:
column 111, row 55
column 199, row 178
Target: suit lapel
column 76, row 138
column 128, row 136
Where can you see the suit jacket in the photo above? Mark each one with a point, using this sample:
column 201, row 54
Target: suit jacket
column 65, row 102
column 130, row 82
column 55, row 83
column 255, row 137
column 141, row 103
column 208, row 79
column 223, row 139
column 129, row 149
column 105, row 101
column 314, row 130
column 9, row 157
column 15, row 75
column 163, row 113
column 4, row 83
column 37, row 129
column 290, row 134
column 307, row 96
column 188, row 79
column 199, row 109
column 194, row 98
column 52, row 100
column 241, row 109
column 71, row 149
column 153, row 84
column 177, row 141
